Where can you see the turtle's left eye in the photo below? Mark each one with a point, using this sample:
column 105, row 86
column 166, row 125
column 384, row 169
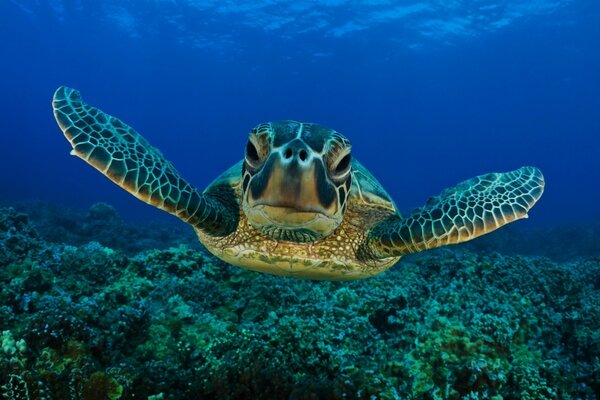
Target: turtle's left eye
column 339, row 166
column 252, row 153
column 343, row 165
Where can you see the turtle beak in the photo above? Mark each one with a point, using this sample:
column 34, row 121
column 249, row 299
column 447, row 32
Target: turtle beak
column 293, row 181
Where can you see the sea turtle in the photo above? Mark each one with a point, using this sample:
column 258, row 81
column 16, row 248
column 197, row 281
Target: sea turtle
column 298, row 204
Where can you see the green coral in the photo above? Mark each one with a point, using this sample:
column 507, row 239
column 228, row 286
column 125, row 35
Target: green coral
column 87, row 322
column 9, row 346
column 447, row 362
column 100, row 386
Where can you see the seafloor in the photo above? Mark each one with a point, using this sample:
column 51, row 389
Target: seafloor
column 132, row 318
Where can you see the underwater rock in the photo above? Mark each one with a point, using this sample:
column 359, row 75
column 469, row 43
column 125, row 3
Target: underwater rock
column 88, row 321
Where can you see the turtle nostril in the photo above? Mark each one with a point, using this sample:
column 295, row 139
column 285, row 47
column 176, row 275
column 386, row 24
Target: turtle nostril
column 288, row 153
column 302, row 155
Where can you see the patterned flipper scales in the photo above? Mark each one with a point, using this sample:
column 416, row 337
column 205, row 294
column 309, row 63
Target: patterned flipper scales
column 127, row 159
column 473, row 208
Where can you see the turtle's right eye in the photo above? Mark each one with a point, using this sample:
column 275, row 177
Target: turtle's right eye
column 252, row 153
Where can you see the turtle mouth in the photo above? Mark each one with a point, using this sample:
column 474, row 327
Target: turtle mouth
column 286, row 209
column 286, row 217
column 290, row 223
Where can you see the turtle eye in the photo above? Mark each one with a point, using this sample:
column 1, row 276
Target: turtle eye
column 252, row 153
column 340, row 167
column 343, row 165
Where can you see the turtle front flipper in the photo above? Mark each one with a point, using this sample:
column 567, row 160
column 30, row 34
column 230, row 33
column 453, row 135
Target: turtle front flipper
column 473, row 208
column 126, row 158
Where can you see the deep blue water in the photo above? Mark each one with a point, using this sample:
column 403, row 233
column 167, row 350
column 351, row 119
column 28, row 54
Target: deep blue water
column 429, row 93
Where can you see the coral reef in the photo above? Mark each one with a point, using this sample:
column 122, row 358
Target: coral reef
column 560, row 243
column 101, row 223
column 93, row 321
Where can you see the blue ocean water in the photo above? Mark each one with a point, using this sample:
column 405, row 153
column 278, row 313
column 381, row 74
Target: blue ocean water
column 97, row 304
column 429, row 93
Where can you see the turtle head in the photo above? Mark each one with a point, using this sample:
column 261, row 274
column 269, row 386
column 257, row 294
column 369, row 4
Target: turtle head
column 296, row 180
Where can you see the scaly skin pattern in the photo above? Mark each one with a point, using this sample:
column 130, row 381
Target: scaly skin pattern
column 127, row 159
column 473, row 208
